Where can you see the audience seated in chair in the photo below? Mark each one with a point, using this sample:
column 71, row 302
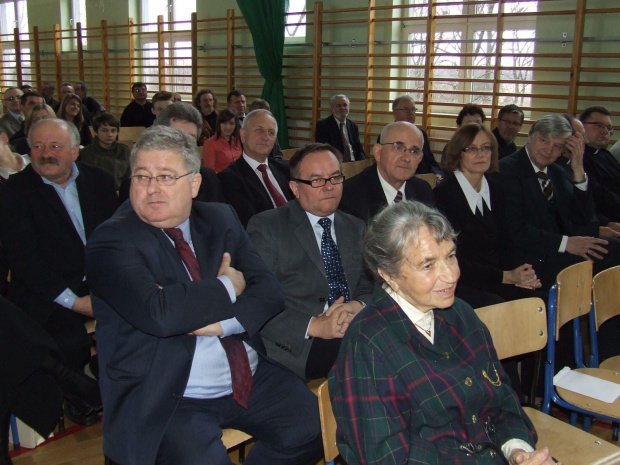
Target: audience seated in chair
column 138, row 112
column 509, row 122
column 470, row 113
column 206, row 103
column 339, row 131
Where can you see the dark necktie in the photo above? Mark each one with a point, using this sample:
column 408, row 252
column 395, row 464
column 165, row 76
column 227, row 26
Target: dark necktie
column 399, row 197
column 240, row 370
column 547, row 187
column 334, row 271
column 346, row 154
column 275, row 195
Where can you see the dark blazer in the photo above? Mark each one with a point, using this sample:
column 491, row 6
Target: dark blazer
column 604, row 174
column 43, row 249
column 9, row 124
column 146, row 304
column 503, row 147
column 285, row 239
column 328, row 132
column 535, row 225
column 246, row 193
column 363, row 195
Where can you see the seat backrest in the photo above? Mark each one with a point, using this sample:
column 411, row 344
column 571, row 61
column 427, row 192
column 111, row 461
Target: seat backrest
column 355, row 167
column 574, row 285
column 328, row 423
column 288, row 153
column 130, row 132
column 430, row 178
column 517, row 327
column 606, row 295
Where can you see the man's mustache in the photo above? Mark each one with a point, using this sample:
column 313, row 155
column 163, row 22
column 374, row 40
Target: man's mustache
column 48, row 160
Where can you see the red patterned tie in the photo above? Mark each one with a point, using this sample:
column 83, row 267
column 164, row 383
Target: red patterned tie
column 399, row 197
column 275, row 195
column 236, row 354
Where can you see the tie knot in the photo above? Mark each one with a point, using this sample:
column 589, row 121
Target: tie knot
column 399, row 197
column 175, row 234
column 542, row 175
column 326, row 223
column 262, row 168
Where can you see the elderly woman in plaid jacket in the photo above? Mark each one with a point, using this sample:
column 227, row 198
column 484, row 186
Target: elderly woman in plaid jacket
column 417, row 380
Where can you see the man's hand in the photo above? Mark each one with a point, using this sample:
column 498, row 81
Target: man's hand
column 334, row 322
column 575, row 144
column 214, row 329
column 522, row 276
column 606, row 231
column 84, row 306
column 586, row 247
column 236, row 277
column 537, row 457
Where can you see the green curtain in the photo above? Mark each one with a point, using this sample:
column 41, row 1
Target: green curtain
column 266, row 20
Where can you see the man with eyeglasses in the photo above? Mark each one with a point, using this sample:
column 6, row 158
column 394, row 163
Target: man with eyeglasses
column 48, row 212
column 180, row 294
column 139, row 111
column 392, row 178
column 509, row 122
column 403, row 109
column 314, row 250
column 255, row 183
column 12, row 120
column 598, row 162
column 339, row 131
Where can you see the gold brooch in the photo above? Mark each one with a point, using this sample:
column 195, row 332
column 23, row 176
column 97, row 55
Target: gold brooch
column 497, row 382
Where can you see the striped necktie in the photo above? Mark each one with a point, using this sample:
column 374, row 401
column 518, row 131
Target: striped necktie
column 546, row 185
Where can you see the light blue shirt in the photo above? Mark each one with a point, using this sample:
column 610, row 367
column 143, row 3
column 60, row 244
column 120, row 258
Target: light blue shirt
column 71, row 201
column 209, row 377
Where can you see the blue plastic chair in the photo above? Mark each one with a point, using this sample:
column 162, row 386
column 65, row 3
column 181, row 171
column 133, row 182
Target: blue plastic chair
column 569, row 299
column 15, row 433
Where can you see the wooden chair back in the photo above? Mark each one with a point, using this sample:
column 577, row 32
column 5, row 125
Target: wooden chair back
column 430, row 178
column 130, row 133
column 288, row 153
column 328, row 424
column 355, row 167
column 574, row 293
column 517, row 327
column 606, row 295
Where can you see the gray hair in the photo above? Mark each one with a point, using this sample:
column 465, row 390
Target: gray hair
column 166, row 138
column 551, row 126
column 179, row 112
column 73, row 132
column 400, row 98
column 393, row 231
column 251, row 115
column 334, row 97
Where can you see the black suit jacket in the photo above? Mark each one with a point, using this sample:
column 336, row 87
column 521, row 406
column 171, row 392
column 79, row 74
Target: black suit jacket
column 363, row 195
column 285, row 239
column 604, row 174
column 146, row 304
column 328, row 132
column 246, row 193
column 503, row 147
column 43, row 248
column 535, row 225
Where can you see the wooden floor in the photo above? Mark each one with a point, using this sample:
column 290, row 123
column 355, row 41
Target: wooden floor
column 85, row 448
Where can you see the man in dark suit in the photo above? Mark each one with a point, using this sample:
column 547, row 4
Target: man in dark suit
column 11, row 121
column 47, row 213
column 509, row 122
column 139, row 111
column 255, row 183
column 306, row 336
column 340, row 131
column 550, row 219
column 180, row 294
column 392, row 179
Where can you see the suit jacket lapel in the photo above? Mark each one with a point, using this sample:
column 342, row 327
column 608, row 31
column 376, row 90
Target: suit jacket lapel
column 375, row 192
column 87, row 200
column 304, row 234
column 250, row 177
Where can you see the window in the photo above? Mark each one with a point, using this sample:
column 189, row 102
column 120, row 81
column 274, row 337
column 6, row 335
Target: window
column 295, row 19
column 13, row 15
column 465, row 53
column 78, row 15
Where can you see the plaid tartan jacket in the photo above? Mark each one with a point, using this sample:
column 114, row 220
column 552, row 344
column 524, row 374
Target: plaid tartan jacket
column 399, row 399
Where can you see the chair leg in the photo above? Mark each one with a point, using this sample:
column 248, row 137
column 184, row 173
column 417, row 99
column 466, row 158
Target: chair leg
column 14, row 433
column 61, row 422
column 242, row 453
column 614, row 435
column 535, row 378
column 573, row 419
column 587, row 421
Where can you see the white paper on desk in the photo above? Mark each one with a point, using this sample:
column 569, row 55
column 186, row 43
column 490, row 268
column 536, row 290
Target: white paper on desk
column 587, row 385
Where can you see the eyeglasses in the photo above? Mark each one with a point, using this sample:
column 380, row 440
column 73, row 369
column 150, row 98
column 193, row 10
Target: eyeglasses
column 513, row 124
column 162, row 179
column 406, row 109
column 485, row 150
column 320, row 182
column 11, row 99
column 402, row 148
column 601, row 126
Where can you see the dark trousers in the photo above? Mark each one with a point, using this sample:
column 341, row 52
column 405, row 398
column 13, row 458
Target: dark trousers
column 283, row 417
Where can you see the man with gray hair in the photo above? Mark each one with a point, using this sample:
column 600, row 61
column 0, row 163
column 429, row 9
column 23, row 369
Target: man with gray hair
column 255, row 183
column 180, row 294
column 47, row 214
column 339, row 131
column 550, row 219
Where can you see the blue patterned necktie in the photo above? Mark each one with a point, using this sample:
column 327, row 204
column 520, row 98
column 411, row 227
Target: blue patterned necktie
column 333, row 264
